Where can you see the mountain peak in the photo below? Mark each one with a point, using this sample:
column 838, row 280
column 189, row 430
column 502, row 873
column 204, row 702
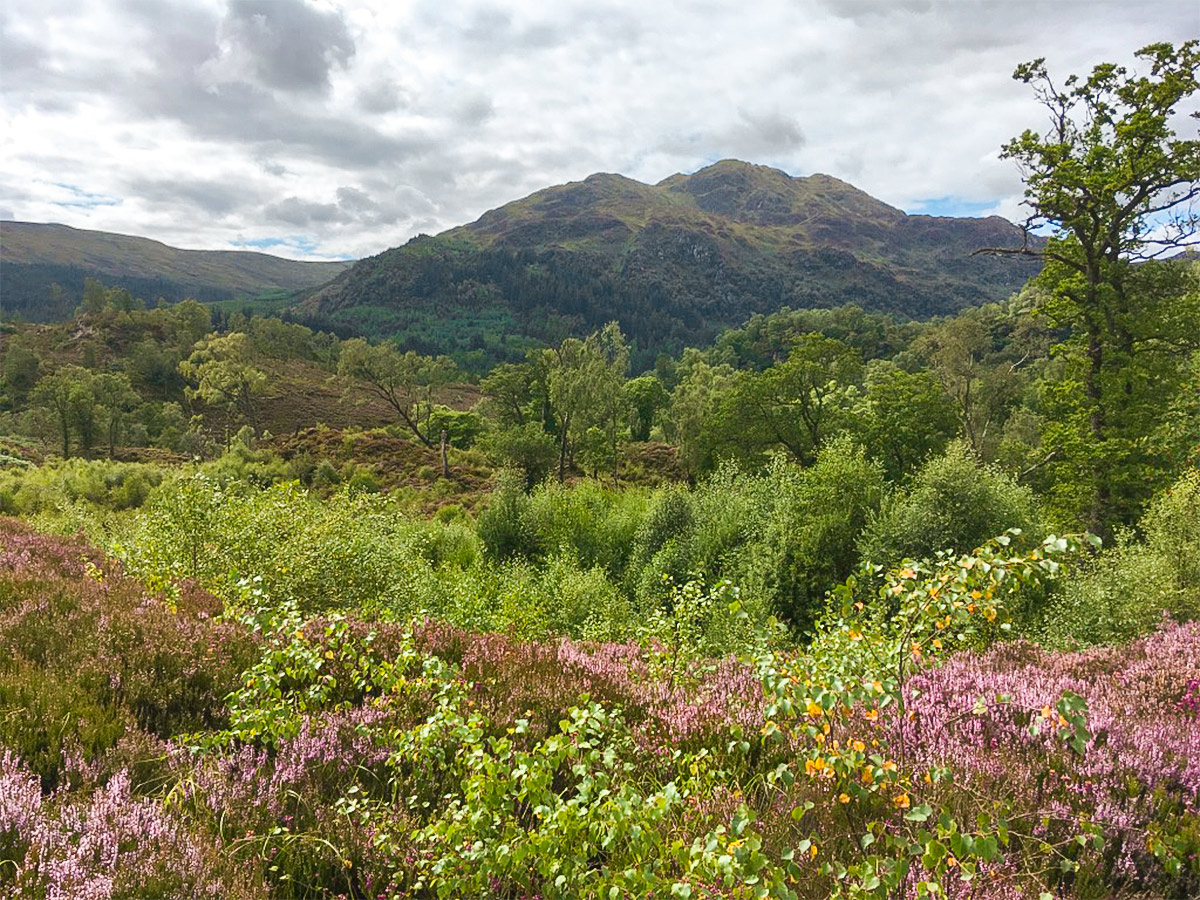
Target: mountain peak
column 673, row 262
column 761, row 195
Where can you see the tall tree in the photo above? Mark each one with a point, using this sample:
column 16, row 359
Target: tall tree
column 566, row 391
column 795, row 403
column 644, row 396
column 1114, row 181
column 606, row 362
column 117, row 400
column 222, row 372
column 584, row 380
column 696, row 402
column 404, row 381
column 69, row 395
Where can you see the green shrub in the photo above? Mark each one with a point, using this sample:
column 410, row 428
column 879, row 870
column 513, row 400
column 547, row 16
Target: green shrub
column 595, row 523
column 808, row 541
column 953, row 503
column 1129, row 587
column 1172, row 527
column 504, row 525
column 525, row 447
column 102, row 483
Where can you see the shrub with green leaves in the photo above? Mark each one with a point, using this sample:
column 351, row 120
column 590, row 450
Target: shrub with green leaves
column 1130, row 586
column 952, row 503
column 109, row 485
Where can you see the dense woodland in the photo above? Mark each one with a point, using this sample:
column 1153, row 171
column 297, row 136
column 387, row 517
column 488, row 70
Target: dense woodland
column 841, row 604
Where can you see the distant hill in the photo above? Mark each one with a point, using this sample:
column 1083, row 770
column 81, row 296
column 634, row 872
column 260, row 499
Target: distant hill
column 43, row 268
column 674, row 262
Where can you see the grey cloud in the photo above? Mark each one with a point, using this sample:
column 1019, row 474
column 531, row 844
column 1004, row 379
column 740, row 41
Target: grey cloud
column 869, row 9
column 20, row 56
column 491, row 31
column 287, row 44
column 764, row 137
column 303, row 213
column 473, row 111
column 771, row 131
column 354, row 200
column 191, row 87
column 487, row 24
column 250, row 115
column 354, row 207
column 216, row 198
column 382, row 97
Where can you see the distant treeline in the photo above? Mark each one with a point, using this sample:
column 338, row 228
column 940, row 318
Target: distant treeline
column 45, row 292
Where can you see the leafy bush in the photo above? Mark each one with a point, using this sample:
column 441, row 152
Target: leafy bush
column 27, row 491
column 505, row 526
column 953, row 503
column 594, row 523
column 525, row 447
column 1129, row 587
column 808, row 539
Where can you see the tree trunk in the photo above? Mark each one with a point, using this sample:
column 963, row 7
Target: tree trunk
column 562, row 450
column 1097, row 425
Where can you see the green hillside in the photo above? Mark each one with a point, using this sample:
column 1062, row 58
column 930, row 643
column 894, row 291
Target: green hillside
column 43, row 268
column 674, row 263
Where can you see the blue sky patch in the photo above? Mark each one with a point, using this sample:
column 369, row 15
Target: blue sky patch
column 952, row 206
column 84, row 199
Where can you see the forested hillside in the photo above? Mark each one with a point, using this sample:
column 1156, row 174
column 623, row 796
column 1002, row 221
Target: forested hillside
column 838, row 604
column 672, row 263
column 44, row 268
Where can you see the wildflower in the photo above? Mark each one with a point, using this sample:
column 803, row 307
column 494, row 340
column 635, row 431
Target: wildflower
column 901, row 801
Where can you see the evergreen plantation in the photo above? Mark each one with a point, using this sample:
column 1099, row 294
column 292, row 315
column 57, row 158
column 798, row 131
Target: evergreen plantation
column 842, row 603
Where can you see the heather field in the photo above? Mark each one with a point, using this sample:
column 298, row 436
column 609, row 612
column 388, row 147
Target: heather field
column 196, row 732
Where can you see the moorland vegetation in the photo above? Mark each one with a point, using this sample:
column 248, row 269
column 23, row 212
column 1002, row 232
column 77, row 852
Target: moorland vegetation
column 842, row 604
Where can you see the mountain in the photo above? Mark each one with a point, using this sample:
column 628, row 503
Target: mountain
column 674, row 262
column 35, row 258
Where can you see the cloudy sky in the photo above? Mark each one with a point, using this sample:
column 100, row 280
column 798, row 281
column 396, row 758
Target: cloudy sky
column 319, row 130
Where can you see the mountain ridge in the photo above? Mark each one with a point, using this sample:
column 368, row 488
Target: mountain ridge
column 34, row 255
column 674, row 262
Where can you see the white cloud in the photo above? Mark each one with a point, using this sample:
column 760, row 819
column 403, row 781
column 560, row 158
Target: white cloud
column 349, row 127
